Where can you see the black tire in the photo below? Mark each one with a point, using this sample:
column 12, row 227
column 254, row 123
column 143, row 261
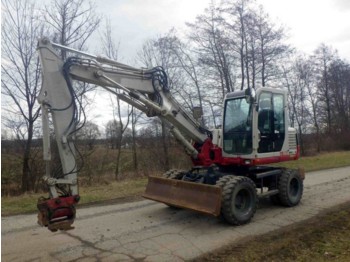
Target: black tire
column 290, row 188
column 168, row 173
column 239, row 200
column 174, row 174
column 222, row 181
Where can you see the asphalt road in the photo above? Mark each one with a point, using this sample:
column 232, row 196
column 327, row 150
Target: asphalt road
column 150, row 231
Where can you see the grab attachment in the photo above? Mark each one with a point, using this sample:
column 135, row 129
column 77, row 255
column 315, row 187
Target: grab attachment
column 57, row 213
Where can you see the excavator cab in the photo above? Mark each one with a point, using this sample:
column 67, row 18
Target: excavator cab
column 256, row 127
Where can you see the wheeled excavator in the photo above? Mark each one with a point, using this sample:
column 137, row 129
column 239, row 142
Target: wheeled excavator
column 231, row 164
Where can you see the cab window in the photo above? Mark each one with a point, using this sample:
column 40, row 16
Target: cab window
column 271, row 122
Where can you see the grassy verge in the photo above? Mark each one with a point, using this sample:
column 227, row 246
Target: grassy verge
column 27, row 203
column 128, row 188
column 325, row 238
column 321, row 161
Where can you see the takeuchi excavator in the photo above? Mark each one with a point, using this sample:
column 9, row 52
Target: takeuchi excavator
column 231, row 165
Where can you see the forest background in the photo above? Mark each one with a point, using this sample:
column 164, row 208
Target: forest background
column 231, row 45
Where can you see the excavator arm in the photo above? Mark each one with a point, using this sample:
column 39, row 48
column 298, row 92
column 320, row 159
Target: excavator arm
column 229, row 164
column 145, row 89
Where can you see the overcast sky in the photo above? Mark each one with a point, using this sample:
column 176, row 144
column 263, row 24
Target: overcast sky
column 310, row 22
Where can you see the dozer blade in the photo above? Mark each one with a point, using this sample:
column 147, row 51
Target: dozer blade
column 199, row 197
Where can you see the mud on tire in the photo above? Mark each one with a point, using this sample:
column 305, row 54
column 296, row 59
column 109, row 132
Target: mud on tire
column 239, row 199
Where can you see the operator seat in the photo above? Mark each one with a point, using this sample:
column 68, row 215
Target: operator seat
column 265, row 126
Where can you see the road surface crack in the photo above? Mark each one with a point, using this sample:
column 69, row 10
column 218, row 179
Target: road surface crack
column 92, row 245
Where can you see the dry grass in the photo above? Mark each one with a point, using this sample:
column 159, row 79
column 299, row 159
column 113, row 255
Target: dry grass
column 321, row 161
column 325, row 238
column 117, row 189
column 131, row 187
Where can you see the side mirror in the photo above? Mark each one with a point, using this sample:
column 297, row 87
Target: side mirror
column 197, row 112
column 250, row 95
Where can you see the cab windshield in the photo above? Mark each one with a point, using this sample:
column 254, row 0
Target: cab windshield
column 237, row 127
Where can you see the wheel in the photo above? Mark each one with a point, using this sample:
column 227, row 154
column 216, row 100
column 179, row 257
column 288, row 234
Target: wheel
column 290, row 188
column 222, row 181
column 168, row 173
column 239, row 199
column 174, row 174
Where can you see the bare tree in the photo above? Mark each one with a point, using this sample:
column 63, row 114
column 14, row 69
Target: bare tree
column 72, row 22
column 135, row 116
column 20, row 70
column 256, row 42
column 339, row 85
column 313, row 99
column 110, row 49
column 323, row 57
column 212, row 49
column 299, row 78
column 234, row 21
column 113, row 134
column 272, row 50
column 156, row 52
column 88, row 134
column 187, row 61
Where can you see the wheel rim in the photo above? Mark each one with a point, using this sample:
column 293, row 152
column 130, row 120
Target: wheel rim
column 294, row 187
column 242, row 201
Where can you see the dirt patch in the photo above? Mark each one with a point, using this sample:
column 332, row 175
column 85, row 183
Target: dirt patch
column 322, row 238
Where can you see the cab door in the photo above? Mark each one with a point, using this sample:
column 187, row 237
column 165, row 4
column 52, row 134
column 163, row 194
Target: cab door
column 271, row 122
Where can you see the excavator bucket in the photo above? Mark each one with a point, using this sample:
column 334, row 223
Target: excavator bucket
column 199, row 197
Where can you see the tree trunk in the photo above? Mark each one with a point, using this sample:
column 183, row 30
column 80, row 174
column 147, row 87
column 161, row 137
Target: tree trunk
column 318, row 137
column 301, row 140
column 263, row 70
column 119, row 151
column 26, row 172
column 247, row 63
column 242, row 68
column 134, row 154
column 165, row 148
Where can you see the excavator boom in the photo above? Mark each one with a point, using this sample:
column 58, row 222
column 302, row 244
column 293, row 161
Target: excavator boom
column 145, row 89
